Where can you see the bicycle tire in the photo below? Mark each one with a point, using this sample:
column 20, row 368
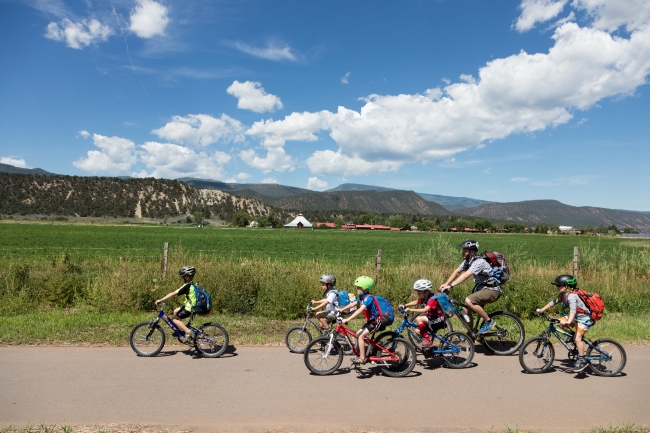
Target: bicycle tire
column 415, row 339
column 464, row 356
column 212, row 342
column 297, row 339
column 407, row 357
column 613, row 366
column 506, row 337
column 537, row 355
column 146, row 340
column 321, row 358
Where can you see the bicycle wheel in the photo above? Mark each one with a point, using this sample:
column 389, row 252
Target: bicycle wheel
column 537, row 355
column 146, row 340
column 406, row 354
column 465, row 353
column 297, row 339
column 610, row 349
column 323, row 358
column 345, row 346
column 507, row 336
column 212, row 342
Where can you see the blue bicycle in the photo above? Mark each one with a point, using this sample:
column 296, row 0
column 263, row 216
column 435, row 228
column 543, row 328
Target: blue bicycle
column 148, row 338
column 606, row 357
column 455, row 348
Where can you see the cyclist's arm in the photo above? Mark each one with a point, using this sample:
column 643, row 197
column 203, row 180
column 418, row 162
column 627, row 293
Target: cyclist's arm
column 355, row 314
column 450, row 279
column 320, row 304
column 163, row 299
column 410, row 304
column 454, row 280
column 419, row 310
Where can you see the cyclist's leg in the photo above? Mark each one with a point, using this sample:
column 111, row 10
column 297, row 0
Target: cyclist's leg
column 363, row 332
column 477, row 300
column 181, row 313
column 423, row 322
column 321, row 316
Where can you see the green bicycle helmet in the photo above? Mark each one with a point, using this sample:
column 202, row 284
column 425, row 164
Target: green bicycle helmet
column 366, row 283
column 565, row 280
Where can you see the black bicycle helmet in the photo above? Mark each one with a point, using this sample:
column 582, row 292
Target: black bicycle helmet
column 187, row 270
column 565, row 280
column 469, row 245
column 328, row 279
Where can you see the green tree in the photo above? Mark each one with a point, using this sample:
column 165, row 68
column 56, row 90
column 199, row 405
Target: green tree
column 239, row 219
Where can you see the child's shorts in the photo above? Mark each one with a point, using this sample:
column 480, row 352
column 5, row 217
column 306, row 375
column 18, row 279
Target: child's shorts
column 329, row 316
column 581, row 327
column 183, row 313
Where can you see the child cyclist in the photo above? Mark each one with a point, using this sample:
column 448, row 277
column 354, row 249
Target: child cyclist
column 186, row 273
column 377, row 318
column 433, row 318
column 578, row 318
column 330, row 302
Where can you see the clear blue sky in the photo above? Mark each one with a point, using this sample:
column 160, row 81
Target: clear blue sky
column 495, row 100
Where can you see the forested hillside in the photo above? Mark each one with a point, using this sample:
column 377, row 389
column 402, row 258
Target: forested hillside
column 113, row 197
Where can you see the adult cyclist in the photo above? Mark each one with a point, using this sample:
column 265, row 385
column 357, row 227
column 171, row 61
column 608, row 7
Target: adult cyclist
column 486, row 287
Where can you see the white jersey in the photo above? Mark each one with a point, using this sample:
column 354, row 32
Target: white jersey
column 332, row 301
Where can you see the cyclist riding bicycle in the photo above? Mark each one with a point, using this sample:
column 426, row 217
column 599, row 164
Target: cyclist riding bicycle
column 578, row 318
column 330, row 302
column 434, row 318
column 186, row 273
column 486, row 287
column 368, row 303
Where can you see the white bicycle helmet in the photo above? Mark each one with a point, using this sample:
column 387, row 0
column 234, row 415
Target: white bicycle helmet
column 187, row 270
column 328, row 279
column 423, row 285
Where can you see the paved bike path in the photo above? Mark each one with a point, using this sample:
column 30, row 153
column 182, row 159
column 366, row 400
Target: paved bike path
column 263, row 388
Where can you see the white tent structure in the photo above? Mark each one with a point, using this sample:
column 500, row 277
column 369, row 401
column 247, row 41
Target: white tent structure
column 298, row 223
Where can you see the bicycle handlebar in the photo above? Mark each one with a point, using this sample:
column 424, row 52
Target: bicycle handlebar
column 546, row 317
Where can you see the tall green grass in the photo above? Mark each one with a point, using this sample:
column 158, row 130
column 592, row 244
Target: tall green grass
column 278, row 289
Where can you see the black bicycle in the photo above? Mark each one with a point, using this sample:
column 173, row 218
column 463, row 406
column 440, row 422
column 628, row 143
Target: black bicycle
column 298, row 337
column 606, row 357
column 148, row 338
column 505, row 338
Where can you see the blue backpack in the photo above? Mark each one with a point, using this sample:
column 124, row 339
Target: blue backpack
column 445, row 304
column 384, row 309
column 203, row 304
column 344, row 298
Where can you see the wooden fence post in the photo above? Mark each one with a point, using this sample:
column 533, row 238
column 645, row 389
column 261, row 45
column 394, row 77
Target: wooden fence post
column 164, row 261
column 575, row 261
column 378, row 265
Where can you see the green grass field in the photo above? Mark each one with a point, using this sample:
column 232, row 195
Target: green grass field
column 42, row 241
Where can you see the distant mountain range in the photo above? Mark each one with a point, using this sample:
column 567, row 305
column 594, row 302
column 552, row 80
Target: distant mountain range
column 375, row 199
column 450, row 203
column 555, row 213
column 6, row 168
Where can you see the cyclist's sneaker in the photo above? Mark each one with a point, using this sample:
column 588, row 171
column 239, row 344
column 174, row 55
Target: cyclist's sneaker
column 359, row 361
column 425, row 344
column 188, row 338
column 487, row 326
column 580, row 365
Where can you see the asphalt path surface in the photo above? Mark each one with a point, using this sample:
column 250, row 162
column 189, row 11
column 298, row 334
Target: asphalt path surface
column 258, row 389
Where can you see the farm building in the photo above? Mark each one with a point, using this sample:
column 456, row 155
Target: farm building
column 298, row 223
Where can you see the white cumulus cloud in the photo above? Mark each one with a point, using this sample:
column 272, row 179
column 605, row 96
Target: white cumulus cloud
column 116, row 156
column 15, row 161
column 201, row 129
column 316, row 184
column 535, row 11
column 276, row 159
column 172, row 161
column 521, row 93
column 251, row 96
column 79, row 34
column 148, row 19
column 269, row 180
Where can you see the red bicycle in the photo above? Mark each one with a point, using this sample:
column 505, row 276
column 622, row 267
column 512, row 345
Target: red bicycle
column 396, row 356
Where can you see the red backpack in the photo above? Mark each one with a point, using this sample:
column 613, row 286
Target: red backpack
column 593, row 301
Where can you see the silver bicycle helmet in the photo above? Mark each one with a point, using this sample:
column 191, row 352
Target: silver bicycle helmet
column 187, row 270
column 328, row 279
column 423, row 285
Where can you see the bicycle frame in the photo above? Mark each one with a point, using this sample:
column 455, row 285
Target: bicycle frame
column 408, row 324
column 559, row 332
column 471, row 330
column 347, row 332
column 309, row 321
column 176, row 331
